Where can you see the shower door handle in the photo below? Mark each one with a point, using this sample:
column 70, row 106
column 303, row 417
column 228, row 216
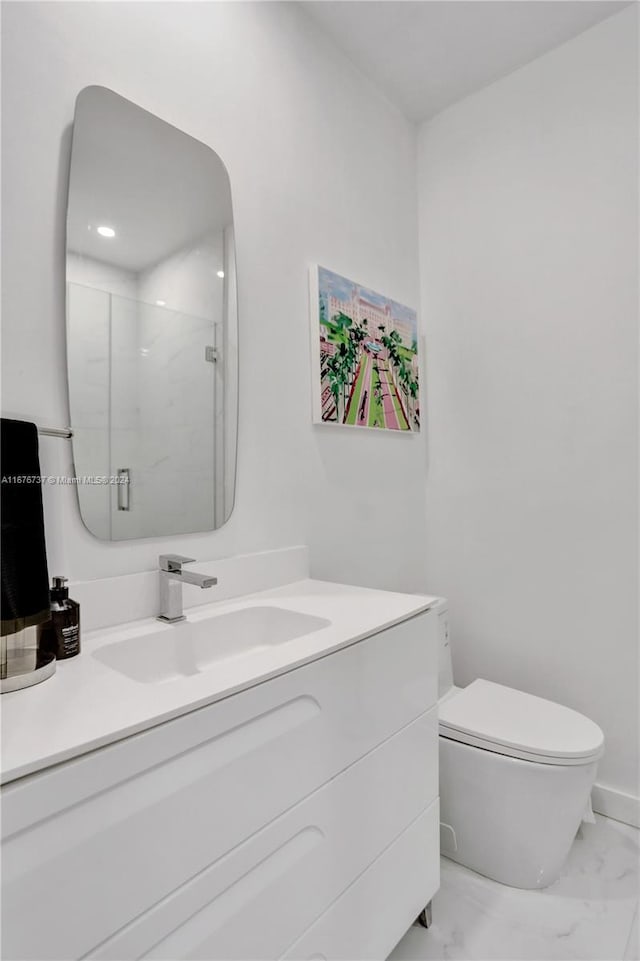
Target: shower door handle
column 124, row 489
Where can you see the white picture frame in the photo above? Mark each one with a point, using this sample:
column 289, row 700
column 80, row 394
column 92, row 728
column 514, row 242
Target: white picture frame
column 365, row 356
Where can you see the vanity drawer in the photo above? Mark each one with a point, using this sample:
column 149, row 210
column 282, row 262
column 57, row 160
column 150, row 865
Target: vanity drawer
column 370, row 917
column 257, row 900
column 114, row 832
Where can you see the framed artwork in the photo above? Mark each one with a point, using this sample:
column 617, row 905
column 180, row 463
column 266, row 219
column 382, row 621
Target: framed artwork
column 364, row 347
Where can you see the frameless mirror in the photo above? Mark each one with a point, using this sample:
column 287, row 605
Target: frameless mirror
column 151, row 324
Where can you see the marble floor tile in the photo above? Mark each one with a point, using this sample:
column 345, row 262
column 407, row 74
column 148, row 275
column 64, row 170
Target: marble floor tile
column 587, row 914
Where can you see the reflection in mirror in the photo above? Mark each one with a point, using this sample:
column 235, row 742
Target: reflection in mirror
column 151, row 324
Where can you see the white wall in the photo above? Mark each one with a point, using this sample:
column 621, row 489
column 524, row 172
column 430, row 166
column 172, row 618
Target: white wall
column 101, row 276
column 528, row 246
column 322, row 170
column 187, row 279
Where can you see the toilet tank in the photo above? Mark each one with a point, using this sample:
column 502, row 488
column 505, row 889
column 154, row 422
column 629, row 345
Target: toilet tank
column 445, row 669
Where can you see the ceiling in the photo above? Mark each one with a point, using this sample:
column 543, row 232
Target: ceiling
column 159, row 189
column 426, row 54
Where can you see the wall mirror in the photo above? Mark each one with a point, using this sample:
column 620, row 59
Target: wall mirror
column 151, row 324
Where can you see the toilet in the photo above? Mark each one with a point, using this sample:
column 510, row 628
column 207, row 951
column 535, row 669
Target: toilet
column 516, row 773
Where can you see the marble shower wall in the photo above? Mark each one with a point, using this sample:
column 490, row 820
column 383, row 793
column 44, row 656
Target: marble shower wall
column 170, row 452
column 144, row 395
column 88, row 313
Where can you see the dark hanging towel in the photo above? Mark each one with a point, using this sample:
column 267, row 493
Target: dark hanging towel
column 25, row 579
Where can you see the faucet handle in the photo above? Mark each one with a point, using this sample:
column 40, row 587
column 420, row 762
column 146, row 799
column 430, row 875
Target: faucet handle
column 172, row 563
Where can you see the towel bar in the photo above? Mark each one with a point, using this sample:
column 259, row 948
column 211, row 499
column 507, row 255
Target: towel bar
column 64, row 432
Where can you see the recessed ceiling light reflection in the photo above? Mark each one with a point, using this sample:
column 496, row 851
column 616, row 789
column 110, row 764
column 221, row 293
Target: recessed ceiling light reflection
column 161, row 303
column 106, row 231
column 221, row 274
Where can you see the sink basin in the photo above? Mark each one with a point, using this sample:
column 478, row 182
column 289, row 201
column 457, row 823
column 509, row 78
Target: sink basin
column 192, row 647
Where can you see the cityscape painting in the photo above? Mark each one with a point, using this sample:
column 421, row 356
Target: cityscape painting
column 365, row 356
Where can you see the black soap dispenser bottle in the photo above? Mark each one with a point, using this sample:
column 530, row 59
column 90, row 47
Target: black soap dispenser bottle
column 61, row 634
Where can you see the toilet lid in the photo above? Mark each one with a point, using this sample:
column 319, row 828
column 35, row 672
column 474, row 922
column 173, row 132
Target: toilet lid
column 506, row 721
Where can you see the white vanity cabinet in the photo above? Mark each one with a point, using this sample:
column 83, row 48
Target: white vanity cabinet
column 296, row 819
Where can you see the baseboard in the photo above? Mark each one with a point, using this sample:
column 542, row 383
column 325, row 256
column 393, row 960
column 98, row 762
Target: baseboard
column 616, row 804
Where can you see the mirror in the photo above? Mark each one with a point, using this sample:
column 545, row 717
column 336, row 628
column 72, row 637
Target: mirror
column 151, row 324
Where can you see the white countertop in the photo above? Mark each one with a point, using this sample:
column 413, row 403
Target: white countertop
column 87, row 704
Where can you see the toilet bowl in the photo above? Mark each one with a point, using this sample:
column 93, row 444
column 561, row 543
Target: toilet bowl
column 516, row 773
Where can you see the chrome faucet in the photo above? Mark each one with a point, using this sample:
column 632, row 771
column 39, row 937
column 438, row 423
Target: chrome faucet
column 172, row 578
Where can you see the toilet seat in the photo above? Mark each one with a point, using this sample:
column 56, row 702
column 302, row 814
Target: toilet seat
column 505, row 721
